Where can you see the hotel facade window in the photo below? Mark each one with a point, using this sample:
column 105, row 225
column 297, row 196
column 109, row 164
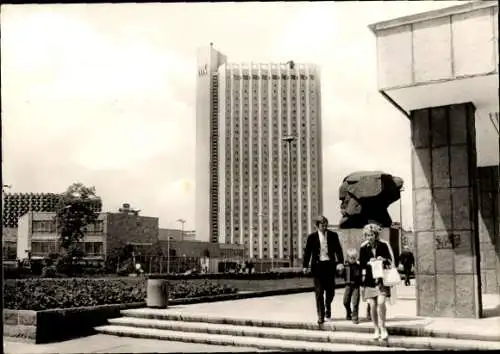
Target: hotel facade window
column 260, row 104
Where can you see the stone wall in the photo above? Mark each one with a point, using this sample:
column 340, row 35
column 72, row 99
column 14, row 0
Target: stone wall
column 54, row 325
column 20, row 324
column 408, row 239
column 122, row 228
column 9, row 234
column 9, row 243
column 198, row 248
column 444, row 172
column 176, row 234
column 488, row 180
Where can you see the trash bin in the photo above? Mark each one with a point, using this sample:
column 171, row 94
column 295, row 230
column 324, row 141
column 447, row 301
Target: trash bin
column 157, row 293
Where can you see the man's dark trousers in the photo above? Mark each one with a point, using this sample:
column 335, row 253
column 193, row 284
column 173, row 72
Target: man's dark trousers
column 324, row 287
column 407, row 271
column 351, row 296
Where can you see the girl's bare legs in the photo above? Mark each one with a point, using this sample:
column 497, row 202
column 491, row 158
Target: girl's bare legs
column 381, row 312
column 373, row 309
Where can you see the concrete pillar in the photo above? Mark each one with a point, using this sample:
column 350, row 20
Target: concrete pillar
column 488, row 180
column 445, row 211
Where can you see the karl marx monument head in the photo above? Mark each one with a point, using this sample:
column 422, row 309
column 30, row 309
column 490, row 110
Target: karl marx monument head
column 365, row 197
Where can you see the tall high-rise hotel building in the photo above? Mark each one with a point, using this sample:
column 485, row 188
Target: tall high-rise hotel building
column 243, row 111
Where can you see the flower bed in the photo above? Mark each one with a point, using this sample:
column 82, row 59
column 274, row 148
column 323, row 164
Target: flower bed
column 42, row 294
column 253, row 276
column 34, row 307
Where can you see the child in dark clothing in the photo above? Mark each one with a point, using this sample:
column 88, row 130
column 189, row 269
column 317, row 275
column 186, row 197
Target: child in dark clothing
column 353, row 279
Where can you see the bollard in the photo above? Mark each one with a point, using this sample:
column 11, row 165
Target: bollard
column 157, row 293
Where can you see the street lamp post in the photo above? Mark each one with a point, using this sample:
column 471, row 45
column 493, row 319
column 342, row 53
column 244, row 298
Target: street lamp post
column 168, row 254
column 289, row 139
column 401, row 216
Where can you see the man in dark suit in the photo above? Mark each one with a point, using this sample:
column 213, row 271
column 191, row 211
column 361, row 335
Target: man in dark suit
column 321, row 248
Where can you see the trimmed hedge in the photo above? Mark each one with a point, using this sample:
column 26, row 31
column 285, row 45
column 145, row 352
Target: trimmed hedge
column 17, row 273
column 246, row 276
column 42, row 294
column 269, row 284
column 38, row 326
column 48, row 272
column 51, row 272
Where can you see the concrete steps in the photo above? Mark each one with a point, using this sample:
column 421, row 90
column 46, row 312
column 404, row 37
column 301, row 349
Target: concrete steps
column 230, row 340
column 412, row 328
column 148, row 323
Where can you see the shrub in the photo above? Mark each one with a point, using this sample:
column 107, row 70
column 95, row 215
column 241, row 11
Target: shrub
column 110, row 265
column 41, row 294
column 92, row 271
column 64, row 264
column 49, row 271
column 253, row 276
column 36, row 266
column 16, row 273
column 188, row 289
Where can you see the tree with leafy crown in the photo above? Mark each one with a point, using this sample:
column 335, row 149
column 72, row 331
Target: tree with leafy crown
column 77, row 209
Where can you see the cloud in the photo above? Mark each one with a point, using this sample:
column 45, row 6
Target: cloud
column 360, row 129
column 112, row 113
column 105, row 93
column 107, row 98
column 132, row 135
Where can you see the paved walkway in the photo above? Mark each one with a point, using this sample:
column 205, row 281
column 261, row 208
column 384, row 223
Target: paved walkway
column 101, row 343
column 301, row 308
column 284, row 308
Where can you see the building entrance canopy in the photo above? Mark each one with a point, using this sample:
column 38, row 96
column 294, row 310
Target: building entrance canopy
column 440, row 68
column 444, row 57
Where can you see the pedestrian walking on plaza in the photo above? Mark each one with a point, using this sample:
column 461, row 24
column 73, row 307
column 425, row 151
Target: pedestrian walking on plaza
column 407, row 260
column 353, row 279
column 323, row 253
column 368, row 308
column 374, row 256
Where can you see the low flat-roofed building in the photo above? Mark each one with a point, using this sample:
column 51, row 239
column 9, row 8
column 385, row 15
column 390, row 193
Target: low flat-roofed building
column 37, row 234
column 176, row 234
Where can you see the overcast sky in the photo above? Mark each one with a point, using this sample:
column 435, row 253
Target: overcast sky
column 104, row 94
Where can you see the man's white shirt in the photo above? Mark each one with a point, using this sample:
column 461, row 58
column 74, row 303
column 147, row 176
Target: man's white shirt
column 323, row 247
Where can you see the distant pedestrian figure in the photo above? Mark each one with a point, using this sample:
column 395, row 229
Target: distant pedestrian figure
column 353, row 279
column 407, row 260
column 324, row 253
column 138, row 268
column 250, row 267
